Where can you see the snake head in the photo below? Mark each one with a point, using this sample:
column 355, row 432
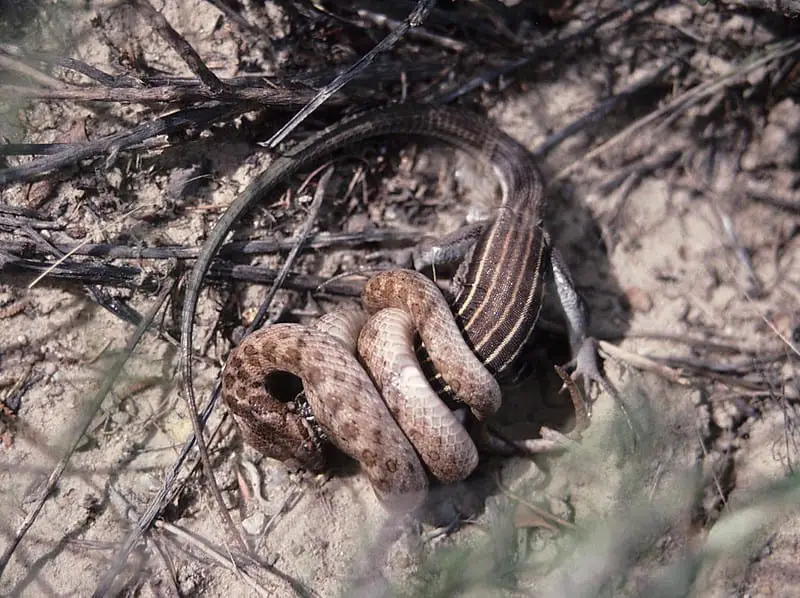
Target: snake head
column 280, row 433
column 278, row 429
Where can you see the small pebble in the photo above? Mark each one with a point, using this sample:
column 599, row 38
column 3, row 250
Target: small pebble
column 254, row 524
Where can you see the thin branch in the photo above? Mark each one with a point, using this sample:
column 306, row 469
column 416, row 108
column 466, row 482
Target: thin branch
column 605, row 107
column 180, row 45
column 13, row 64
column 113, row 144
column 414, row 19
column 767, row 196
column 383, row 20
column 132, row 277
column 115, row 306
column 281, row 97
column 384, row 237
column 539, row 53
column 84, row 272
column 687, row 99
column 232, row 562
column 283, row 274
column 162, row 498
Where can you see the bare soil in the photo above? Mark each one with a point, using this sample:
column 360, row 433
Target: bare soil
column 683, row 234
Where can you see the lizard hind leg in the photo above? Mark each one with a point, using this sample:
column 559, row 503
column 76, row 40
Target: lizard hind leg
column 585, row 358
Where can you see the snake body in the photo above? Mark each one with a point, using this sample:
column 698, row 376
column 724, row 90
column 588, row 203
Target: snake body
column 383, row 428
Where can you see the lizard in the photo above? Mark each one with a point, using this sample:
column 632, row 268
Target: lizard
column 506, row 263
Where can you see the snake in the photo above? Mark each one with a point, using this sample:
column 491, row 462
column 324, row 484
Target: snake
column 365, row 393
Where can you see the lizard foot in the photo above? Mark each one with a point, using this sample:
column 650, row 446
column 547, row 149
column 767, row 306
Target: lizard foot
column 587, row 370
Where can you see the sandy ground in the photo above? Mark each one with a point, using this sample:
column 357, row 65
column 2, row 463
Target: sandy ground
column 668, row 499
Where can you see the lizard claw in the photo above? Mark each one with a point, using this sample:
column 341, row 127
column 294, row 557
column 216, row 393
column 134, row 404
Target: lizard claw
column 587, row 368
column 587, row 371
